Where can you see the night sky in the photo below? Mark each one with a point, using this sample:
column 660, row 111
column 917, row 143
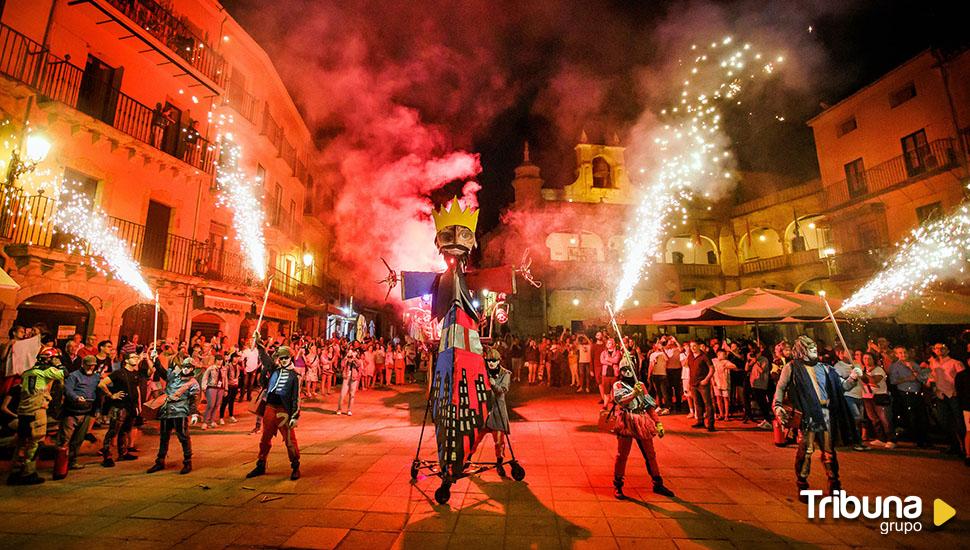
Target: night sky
column 858, row 40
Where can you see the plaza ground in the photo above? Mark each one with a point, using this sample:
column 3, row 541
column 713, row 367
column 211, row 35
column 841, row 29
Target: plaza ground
column 734, row 489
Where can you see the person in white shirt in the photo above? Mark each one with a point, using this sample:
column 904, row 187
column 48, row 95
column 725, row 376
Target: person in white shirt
column 722, row 383
column 657, row 374
column 585, row 358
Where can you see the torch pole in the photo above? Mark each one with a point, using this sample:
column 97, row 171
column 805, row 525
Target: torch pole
column 838, row 331
column 619, row 336
column 262, row 310
column 155, row 329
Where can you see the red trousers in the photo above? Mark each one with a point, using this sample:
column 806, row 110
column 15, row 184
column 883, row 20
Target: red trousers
column 276, row 419
column 623, row 445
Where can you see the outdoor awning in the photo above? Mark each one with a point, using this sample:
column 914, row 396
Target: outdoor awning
column 8, row 289
column 750, row 305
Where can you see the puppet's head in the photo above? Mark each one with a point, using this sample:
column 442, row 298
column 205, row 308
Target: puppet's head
column 456, row 229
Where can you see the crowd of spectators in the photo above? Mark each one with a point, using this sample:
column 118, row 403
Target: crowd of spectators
column 115, row 387
column 920, row 395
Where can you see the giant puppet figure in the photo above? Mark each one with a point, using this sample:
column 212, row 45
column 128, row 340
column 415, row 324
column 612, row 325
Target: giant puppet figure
column 460, row 388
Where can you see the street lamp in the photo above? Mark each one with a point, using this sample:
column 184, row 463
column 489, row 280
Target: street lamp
column 38, row 146
column 36, row 149
column 307, row 259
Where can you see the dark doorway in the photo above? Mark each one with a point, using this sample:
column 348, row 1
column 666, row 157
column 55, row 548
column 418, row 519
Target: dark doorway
column 156, row 235
column 98, row 92
column 140, row 319
column 62, row 314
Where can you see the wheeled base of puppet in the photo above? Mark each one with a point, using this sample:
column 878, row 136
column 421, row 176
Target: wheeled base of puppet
column 452, row 473
column 442, row 494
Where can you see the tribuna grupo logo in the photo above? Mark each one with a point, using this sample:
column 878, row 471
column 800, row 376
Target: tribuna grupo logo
column 898, row 514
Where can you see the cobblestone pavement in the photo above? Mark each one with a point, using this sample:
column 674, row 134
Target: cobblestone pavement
column 734, row 489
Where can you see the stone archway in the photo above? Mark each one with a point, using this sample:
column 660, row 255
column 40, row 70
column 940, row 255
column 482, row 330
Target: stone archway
column 62, row 314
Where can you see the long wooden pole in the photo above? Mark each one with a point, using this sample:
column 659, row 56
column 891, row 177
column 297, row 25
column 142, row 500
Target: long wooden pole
column 838, row 331
column 155, row 329
column 619, row 336
column 262, row 310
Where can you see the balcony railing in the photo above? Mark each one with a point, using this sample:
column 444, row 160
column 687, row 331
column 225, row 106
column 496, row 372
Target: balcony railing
column 172, row 31
column 285, row 285
column 699, row 270
column 783, row 261
column 26, row 61
column 242, row 101
column 923, row 162
column 856, row 264
column 28, row 220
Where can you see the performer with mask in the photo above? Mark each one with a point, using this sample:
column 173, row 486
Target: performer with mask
column 282, row 407
column 636, row 420
column 818, row 393
column 497, row 422
column 180, row 405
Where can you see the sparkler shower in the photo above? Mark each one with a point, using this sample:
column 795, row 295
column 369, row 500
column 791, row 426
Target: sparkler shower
column 932, row 252
column 694, row 156
column 92, row 235
column 240, row 194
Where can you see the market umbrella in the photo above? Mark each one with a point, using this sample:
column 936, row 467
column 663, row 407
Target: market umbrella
column 8, row 289
column 644, row 315
column 750, row 305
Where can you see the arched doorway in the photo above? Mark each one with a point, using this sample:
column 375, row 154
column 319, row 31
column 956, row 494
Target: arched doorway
column 140, row 319
column 209, row 324
column 62, row 314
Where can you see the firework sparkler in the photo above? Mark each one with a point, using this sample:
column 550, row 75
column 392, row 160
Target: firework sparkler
column 933, row 251
column 241, row 194
column 93, row 235
column 694, row 154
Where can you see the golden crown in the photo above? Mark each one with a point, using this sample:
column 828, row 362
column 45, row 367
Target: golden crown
column 455, row 215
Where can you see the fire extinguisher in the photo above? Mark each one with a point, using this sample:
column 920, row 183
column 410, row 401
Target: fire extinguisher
column 60, row 463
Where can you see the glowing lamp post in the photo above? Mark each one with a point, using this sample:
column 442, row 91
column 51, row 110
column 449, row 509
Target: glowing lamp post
column 35, row 150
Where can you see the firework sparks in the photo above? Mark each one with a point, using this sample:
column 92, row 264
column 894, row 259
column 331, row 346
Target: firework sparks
column 93, row 235
column 933, row 251
column 240, row 194
column 693, row 152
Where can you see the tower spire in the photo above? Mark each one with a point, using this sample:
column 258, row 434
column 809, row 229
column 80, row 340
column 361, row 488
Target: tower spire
column 525, row 153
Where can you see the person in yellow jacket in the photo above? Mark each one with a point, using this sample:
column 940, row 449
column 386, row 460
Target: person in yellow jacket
column 32, row 415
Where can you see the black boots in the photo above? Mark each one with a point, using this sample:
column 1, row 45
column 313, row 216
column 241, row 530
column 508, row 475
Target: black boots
column 618, row 488
column 259, row 470
column 661, row 489
column 295, row 474
column 158, row 466
column 186, row 467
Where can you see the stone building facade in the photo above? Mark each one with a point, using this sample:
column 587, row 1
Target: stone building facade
column 128, row 94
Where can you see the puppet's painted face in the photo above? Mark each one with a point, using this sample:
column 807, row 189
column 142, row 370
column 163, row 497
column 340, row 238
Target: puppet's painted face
column 455, row 240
